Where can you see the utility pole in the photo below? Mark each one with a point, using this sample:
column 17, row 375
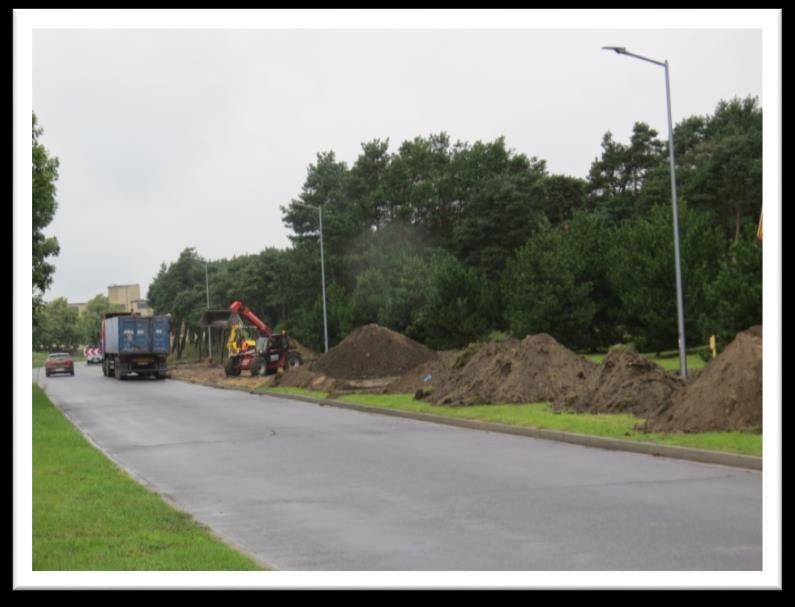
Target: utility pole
column 209, row 329
column 680, row 306
column 322, row 268
column 323, row 278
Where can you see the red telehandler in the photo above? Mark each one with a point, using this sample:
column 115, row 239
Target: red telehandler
column 271, row 351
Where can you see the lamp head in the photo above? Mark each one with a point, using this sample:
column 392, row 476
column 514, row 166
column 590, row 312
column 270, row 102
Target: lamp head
column 618, row 49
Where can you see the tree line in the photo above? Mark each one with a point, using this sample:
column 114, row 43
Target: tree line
column 450, row 242
column 61, row 327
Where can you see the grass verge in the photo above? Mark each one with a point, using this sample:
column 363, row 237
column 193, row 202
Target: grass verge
column 88, row 515
column 669, row 363
column 541, row 415
column 293, row 391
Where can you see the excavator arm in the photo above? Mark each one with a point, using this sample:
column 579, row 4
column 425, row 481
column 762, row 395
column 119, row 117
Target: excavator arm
column 244, row 311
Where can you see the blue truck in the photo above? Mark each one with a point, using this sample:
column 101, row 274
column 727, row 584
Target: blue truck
column 135, row 344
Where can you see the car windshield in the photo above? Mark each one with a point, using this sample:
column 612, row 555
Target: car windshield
column 59, row 355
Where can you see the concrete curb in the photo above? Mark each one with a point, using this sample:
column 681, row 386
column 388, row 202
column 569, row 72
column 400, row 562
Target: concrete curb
column 655, row 449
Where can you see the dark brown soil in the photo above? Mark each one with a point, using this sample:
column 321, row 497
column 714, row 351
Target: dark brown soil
column 726, row 395
column 535, row 369
column 307, row 354
column 372, row 352
column 428, row 374
column 624, row 382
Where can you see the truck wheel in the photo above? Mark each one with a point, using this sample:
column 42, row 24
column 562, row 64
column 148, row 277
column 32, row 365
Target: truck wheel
column 118, row 373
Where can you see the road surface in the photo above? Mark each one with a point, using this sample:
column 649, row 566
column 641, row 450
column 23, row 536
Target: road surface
column 307, row 487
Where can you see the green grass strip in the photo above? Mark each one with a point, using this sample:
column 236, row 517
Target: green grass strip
column 293, row 392
column 88, row 515
column 541, row 415
column 671, row 363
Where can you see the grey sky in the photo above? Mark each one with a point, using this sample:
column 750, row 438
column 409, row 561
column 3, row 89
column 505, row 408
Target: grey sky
column 176, row 138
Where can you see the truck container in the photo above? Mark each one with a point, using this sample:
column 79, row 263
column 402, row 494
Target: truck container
column 135, row 344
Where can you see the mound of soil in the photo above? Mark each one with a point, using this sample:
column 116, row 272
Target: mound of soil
column 624, row 382
column 535, row 369
column 372, row 352
column 428, row 374
column 307, row 354
column 301, row 377
column 726, row 395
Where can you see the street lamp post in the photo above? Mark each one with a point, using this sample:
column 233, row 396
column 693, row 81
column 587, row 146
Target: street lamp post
column 209, row 329
column 677, row 260
column 322, row 268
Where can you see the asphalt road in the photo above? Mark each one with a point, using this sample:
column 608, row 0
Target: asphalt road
column 307, row 487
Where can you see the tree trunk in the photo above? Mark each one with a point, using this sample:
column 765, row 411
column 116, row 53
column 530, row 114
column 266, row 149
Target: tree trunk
column 182, row 341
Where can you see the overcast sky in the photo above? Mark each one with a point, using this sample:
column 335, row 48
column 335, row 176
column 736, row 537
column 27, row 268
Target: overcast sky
column 175, row 138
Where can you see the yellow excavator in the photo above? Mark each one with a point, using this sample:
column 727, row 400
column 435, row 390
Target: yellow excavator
column 238, row 342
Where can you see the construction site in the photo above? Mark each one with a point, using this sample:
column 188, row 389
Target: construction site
column 725, row 395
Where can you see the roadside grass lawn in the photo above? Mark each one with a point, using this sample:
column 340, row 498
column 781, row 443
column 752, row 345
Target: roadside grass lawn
column 669, row 363
column 88, row 515
column 39, row 358
column 293, row 391
column 541, row 415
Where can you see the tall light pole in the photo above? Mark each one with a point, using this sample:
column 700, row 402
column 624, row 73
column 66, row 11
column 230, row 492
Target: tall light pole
column 209, row 329
column 677, row 260
column 322, row 268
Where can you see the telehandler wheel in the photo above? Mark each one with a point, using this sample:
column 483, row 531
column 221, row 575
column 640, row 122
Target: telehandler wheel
column 293, row 360
column 231, row 369
column 257, row 366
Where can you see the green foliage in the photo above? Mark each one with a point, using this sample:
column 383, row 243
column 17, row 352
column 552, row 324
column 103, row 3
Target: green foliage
column 58, row 328
column 560, row 196
column 499, row 209
column 719, row 165
column 91, row 318
column 448, row 242
column 179, row 289
column 307, row 324
column 641, row 268
column 557, row 283
column 368, row 297
column 733, row 299
column 461, row 306
column 617, row 178
column 45, row 174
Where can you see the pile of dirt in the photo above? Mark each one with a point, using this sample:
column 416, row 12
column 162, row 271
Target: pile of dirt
column 307, row 354
column 302, row 377
column 726, row 395
column 537, row 368
column 625, row 382
column 372, row 352
column 427, row 375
